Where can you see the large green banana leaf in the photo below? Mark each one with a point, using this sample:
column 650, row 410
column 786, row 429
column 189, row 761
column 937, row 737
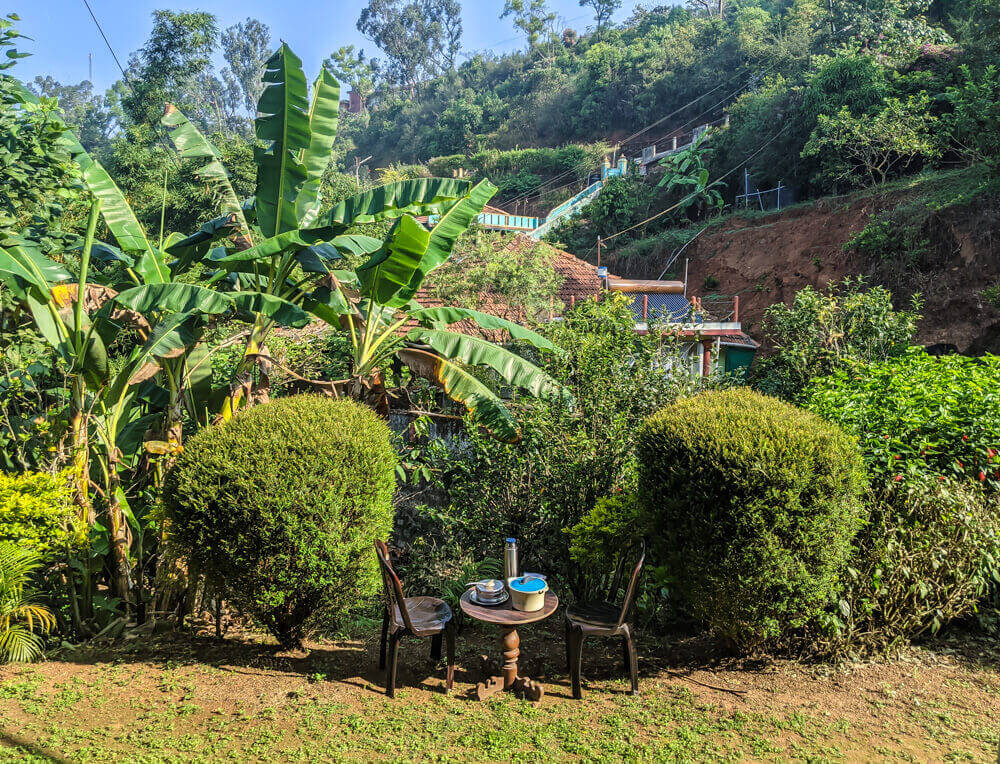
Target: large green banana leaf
column 283, row 125
column 444, row 316
column 191, row 144
column 356, row 244
column 452, row 224
column 476, row 351
column 23, row 266
column 277, row 245
column 115, row 208
column 275, row 308
column 418, row 196
column 390, row 270
column 169, row 336
column 485, row 407
column 176, row 298
column 323, row 115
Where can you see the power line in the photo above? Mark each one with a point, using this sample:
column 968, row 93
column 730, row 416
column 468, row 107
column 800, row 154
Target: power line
column 108, row 43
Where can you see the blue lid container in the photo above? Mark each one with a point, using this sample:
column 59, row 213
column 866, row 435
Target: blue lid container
column 531, row 585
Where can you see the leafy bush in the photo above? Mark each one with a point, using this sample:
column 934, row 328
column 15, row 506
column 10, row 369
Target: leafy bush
column 821, row 331
column 37, row 513
column 919, row 416
column 974, row 126
column 281, row 506
column 929, row 552
column 604, row 532
column 753, row 503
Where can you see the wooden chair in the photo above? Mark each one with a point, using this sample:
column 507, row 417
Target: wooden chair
column 417, row 616
column 601, row 618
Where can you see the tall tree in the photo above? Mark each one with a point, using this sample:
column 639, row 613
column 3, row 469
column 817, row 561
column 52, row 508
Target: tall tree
column 420, row 38
column 353, row 69
column 246, row 47
column 530, row 16
column 171, row 66
column 603, row 10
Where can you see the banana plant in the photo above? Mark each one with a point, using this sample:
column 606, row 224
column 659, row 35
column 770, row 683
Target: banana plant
column 282, row 245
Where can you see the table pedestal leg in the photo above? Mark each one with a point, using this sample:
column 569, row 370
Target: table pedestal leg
column 510, row 680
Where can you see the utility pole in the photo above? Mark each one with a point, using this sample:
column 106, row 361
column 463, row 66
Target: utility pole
column 598, row 251
column 90, row 68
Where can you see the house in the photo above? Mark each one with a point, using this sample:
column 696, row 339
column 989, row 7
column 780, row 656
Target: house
column 709, row 342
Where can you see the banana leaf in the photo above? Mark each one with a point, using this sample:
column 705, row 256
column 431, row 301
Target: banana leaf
column 191, row 144
column 439, row 318
column 278, row 245
column 283, row 125
column 391, row 269
column 485, row 407
column 193, row 248
column 323, row 115
column 476, row 351
column 177, row 298
column 417, row 196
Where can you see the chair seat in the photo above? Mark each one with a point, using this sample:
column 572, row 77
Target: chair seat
column 429, row 615
column 597, row 615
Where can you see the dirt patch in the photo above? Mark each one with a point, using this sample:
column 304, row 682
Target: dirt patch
column 768, row 259
column 194, row 698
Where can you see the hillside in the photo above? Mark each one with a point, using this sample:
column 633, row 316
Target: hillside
column 766, row 258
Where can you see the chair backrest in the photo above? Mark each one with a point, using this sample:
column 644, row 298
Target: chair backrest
column 391, row 585
column 636, row 552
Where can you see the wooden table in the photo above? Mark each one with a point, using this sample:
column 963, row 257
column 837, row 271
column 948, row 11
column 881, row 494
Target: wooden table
column 509, row 619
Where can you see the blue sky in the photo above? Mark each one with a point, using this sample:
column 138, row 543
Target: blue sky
column 63, row 32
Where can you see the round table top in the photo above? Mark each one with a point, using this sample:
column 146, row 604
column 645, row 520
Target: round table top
column 504, row 614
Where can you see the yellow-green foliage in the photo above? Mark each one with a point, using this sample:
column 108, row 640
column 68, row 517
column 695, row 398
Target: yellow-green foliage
column 754, row 503
column 604, row 532
column 37, row 513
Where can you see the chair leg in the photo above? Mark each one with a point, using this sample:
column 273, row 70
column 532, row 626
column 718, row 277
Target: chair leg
column 626, row 655
column 576, row 661
column 569, row 647
column 390, row 674
column 436, row 647
column 449, row 639
column 381, row 646
column 633, row 664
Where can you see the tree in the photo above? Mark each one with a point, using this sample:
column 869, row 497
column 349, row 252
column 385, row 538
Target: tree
column 873, row 147
column 530, row 16
column 419, row 37
column 603, row 10
column 88, row 114
column 169, row 66
column 246, row 47
column 353, row 69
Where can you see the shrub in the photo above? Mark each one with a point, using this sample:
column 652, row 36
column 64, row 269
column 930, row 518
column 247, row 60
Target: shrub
column 37, row 513
column 604, row 532
column 929, row 552
column 753, row 504
column 919, row 416
column 821, row 331
column 281, row 506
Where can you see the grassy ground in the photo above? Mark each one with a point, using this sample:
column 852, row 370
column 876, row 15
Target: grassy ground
column 191, row 698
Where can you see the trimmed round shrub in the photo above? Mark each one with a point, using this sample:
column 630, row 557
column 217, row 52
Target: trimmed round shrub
column 753, row 503
column 281, row 505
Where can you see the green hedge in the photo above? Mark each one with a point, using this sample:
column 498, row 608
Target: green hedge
column 753, row 503
column 37, row 513
column 281, row 506
column 919, row 416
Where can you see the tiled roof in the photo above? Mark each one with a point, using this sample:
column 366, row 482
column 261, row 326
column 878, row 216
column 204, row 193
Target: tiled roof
column 580, row 282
